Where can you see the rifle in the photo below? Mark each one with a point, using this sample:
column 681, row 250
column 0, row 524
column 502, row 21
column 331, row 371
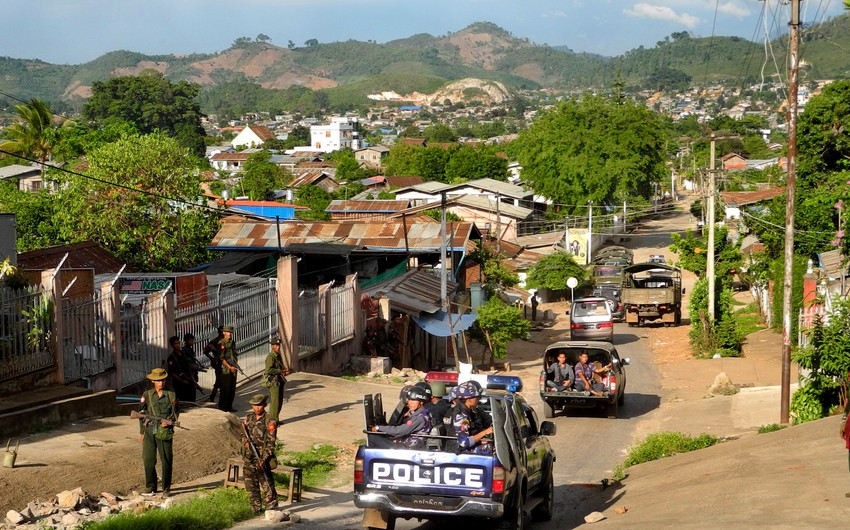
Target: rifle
column 253, row 447
column 235, row 364
column 139, row 416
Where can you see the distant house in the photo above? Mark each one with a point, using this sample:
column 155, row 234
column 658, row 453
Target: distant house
column 372, row 156
column 430, row 192
column 733, row 161
column 413, row 141
column 252, row 136
column 232, row 162
column 733, row 201
column 316, row 177
column 340, row 133
column 27, row 178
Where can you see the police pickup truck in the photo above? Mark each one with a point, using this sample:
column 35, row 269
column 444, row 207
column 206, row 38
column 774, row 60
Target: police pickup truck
column 440, row 482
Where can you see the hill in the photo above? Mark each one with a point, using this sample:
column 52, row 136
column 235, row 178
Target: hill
column 349, row 71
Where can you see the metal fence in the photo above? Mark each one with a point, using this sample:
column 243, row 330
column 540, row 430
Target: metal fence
column 86, row 336
column 342, row 313
column 141, row 347
column 26, row 321
column 311, row 329
column 250, row 306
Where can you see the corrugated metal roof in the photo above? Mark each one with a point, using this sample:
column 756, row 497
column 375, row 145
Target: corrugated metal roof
column 833, row 263
column 743, row 198
column 230, row 156
column 18, row 170
column 483, row 203
column 366, row 206
column 384, row 235
column 403, row 181
column 85, row 255
column 416, row 290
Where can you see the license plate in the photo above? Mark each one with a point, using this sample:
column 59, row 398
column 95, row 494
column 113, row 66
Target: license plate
column 590, row 326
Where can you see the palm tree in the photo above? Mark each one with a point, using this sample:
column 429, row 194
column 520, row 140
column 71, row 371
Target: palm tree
column 33, row 136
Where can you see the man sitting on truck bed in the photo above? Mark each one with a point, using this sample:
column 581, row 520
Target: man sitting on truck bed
column 563, row 375
column 584, row 375
column 410, row 433
column 469, row 437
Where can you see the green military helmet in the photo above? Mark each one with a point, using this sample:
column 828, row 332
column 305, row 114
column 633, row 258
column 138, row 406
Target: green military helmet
column 257, row 399
column 227, row 328
column 275, row 342
column 438, row 389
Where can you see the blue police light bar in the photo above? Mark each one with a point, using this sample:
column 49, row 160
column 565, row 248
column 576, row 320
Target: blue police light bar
column 510, row 383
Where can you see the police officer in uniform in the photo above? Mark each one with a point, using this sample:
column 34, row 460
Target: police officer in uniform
column 274, row 378
column 470, row 436
column 156, row 435
column 437, row 406
column 257, row 471
column 410, row 433
column 226, row 353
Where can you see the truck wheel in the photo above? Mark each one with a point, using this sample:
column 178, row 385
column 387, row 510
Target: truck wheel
column 611, row 410
column 548, row 410
column 514, row 518
column 543, row 511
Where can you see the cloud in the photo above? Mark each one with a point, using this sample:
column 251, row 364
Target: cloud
column 734, row 9
column 656, row 12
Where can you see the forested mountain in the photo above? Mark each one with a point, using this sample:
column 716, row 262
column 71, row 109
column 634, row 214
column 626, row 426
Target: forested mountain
column 343, row 73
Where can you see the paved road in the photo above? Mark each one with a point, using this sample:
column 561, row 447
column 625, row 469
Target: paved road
column 587, row 445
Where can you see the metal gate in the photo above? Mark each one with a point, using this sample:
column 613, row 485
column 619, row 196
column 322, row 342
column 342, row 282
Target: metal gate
column 87, row 341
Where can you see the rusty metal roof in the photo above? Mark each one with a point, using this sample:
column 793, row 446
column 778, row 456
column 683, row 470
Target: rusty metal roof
column 374, row 236
column 416, row 290
column 85, row 255
column 743, row 198
column 366, row 206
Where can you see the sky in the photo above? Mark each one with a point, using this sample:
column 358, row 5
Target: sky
column 78, row 31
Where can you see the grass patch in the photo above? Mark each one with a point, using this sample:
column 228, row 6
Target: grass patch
column 749, row 319
column 316, row 465
column 771, row 427
column 351, row 377
column 218, row 509
column 664, row 444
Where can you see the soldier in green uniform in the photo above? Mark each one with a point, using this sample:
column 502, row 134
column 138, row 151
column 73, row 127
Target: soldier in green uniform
column 211, row 351
column 156, row 435
column 274, row 378
column 226, row 353
column 258, row 471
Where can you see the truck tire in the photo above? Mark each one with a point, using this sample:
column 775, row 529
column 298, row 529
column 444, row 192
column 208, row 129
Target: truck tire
column 543, row 511
column 514, row 518
column 548, row 410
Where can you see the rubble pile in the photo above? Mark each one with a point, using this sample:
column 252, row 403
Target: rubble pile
column 71, row 508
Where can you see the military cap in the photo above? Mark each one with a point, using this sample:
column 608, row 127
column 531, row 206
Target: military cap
column 157, row 374
column 438, row 389
column 274, row 341
column 257, row 399
column 227, row 328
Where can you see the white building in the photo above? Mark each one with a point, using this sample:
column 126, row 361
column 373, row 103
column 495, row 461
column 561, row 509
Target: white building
column 341, row 133
column 252, row 136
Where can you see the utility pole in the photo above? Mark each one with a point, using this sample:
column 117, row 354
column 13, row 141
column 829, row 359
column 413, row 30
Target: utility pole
column 709, row 267
column 444, row 297
column 790, row 184
column 589, row 233
column 498, row 226
column 567, row 234
column 624, row 217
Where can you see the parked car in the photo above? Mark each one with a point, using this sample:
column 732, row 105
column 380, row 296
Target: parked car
column 614, row 381
column 611, row 291
column 591, row 318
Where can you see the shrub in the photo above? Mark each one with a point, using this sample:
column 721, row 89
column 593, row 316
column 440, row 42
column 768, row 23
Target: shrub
column 664, row 444
column 772, row 427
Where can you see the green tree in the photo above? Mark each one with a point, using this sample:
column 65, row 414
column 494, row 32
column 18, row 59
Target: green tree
column 152, row 103
column 553, row 270
column 78, row 139
column 499, row 323
column 827, row 361
column 403, row 159
column 439, row 132
column 34, row 135
column 316, row 199
column 35, row 216
column 470, row 163
column 432, row 163
column 592, row 149
column 260, row 176
column 139, row 203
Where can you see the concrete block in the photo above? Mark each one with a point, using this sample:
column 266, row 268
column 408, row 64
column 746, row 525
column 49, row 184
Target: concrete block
column 368, row 364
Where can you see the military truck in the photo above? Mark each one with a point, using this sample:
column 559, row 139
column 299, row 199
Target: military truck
column 652, row 292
